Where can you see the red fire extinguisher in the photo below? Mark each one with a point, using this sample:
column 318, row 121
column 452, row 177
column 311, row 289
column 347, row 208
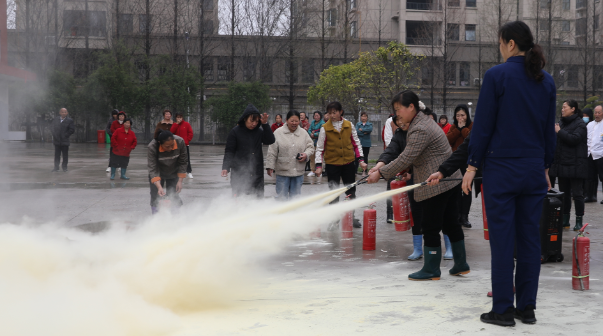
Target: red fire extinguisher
column 486, row 233
column 347, row 223
column 369, row 229
column 581, row 260
column 401, row 207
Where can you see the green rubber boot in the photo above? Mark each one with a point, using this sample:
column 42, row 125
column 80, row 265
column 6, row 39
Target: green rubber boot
column 123, row 174
column 578, row 223
column 566, row 224
column 460, row 259
column 113, row 169
column 431, row 265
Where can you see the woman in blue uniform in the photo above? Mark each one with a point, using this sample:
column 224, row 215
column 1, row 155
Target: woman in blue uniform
column 513, row 141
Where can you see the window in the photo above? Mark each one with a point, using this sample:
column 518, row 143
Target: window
column 580, row 4
column 451, row 74
column 208, row 70
column 544, row 25
column 351, row 4
column 353, row 29
column 453, row 33
column 566, row 5
column 572, row 76
column 465, row 73
column 208, row 4
column 142, row 67
column 471, row 3
column 332, row 17
column 470, row 32
column 75, row 23
column 565, row 26
column 291, row 65
column 581, row 26
column 454, row 3
column 142, row 23
column 266, row 71
column 249, row 69
column 223, row 69
column 544, row 4
column 125, row 23
column 308, row 71
column 207, row 28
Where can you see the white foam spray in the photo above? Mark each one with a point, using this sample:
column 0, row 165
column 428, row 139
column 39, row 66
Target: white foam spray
column 57, row 281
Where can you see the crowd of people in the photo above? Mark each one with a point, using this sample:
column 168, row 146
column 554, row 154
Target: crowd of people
column 517, row 97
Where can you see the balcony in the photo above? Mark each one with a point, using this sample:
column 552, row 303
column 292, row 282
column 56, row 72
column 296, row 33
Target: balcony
column 421, row 41
column 423, row 5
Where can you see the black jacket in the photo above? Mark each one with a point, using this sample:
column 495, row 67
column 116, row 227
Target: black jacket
column 571, row 153
column 61, row 131
column 458, row 160
column 395, row 148
column 244, row 156
column 108, row 128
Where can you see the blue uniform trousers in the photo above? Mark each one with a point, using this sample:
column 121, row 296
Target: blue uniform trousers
column 514, row 189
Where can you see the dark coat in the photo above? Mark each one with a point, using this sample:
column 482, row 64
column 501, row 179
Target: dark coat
column 108, row 128
column 395, row 147
column 458, row 160
column 61, row 131
column 571, row 154
column 244, row 158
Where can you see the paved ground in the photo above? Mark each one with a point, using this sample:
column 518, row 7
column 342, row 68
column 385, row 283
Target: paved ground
column 319, row 286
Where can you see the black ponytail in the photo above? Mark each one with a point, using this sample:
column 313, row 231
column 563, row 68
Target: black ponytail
column 519, row 32
column 573, row 104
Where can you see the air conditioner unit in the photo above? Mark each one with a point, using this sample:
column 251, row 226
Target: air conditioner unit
column 396, row 16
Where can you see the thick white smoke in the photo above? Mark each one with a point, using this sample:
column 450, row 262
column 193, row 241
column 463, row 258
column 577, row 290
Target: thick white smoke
column 58, row 281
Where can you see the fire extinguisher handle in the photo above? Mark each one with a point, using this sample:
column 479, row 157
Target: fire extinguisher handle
column 584, row 227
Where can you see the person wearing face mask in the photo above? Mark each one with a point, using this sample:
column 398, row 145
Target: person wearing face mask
column 123, row 142
column 595, row 146
column 288, row 155
column 243, row 155
column 571, row 160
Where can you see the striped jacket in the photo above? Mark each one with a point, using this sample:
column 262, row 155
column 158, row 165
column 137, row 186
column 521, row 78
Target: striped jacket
column 426, row 148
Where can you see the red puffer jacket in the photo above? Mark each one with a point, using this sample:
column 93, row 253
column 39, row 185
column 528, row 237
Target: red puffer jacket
column 183, row 130
column 123, row 143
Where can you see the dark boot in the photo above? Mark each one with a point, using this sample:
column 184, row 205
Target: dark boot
column 504, row 320
column 431, row 265
column 526, row 316
column 465, row 221
column 566, row 224
column 460, row 259
column 578, row 223
column 356, row 223
column 123, row 174
column 113, row 169
column 390, row 211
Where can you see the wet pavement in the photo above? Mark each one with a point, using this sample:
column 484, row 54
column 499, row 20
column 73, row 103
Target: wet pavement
column 326, row 285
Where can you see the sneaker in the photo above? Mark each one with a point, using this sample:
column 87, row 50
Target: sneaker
column 189, row 175
column 54, row 170
column 311, row 174
column 108, row 169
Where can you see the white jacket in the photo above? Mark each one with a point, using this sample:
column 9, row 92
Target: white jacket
column 283, row 152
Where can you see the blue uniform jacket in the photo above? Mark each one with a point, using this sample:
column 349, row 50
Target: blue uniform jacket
column 515, row 116
column 365, row 135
